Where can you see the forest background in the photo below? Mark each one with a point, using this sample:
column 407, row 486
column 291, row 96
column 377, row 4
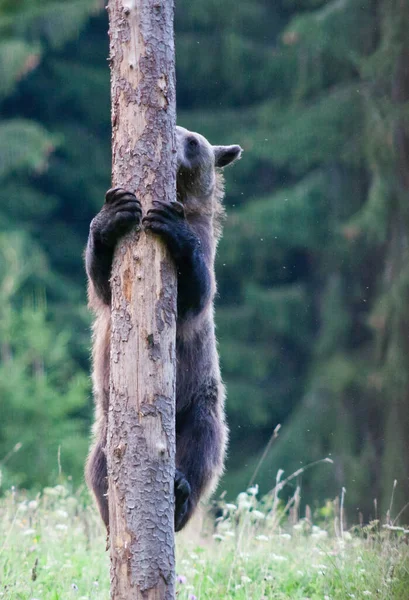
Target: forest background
column 313, row 269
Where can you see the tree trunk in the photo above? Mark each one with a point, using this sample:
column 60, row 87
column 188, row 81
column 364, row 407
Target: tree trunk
column 141, row 429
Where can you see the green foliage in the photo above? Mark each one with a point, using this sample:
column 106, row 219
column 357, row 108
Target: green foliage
column 51, row 21
column 42, row 388
column 24, row 146
column 17, row 57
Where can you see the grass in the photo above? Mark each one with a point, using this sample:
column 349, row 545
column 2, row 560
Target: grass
column 53, row 547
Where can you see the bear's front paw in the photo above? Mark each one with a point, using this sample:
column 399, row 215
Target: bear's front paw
column 182, row 495
column 121, row 212
column 168, row 220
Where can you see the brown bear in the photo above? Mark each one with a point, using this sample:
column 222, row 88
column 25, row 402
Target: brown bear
column 191, row 228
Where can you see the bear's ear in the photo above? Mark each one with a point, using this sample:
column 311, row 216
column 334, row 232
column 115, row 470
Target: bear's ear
column 225, row 155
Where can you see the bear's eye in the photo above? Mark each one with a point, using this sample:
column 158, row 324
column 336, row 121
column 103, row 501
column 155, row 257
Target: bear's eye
column 193, row 143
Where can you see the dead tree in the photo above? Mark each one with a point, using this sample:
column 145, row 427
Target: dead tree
column 141, row 430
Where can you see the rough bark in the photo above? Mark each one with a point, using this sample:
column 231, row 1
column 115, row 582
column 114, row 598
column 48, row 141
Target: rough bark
column 141, row 430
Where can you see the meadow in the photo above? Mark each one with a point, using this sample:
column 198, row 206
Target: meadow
column 52, row 547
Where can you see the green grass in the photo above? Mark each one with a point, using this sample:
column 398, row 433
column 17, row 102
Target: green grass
column 53, row 547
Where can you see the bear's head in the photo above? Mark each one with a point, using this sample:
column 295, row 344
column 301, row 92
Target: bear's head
column 197, row 164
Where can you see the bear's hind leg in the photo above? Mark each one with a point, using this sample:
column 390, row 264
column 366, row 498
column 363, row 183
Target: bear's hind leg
column 200, row 447
column 96, row 476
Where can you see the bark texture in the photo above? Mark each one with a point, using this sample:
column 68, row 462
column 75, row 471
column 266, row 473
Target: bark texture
column 141, row 430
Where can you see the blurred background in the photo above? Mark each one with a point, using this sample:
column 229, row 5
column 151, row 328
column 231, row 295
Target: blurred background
column 313, row 269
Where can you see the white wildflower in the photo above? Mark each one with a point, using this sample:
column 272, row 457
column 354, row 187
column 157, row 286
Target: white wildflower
column 319, row 535
column 33, row 505
column 60, row 489
column 245, row 579
column 48, row 491
column 278, row 558
column 231, row 507
column 366, row 593
column 262, row 538
column 29, row 532
column 61, row 513
column 242, row 497
column 223, row 526
column 230, row 533
column 253, row 491
column 61, row 527
column 285, row 536
column 258, row 515
column 395, row 528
